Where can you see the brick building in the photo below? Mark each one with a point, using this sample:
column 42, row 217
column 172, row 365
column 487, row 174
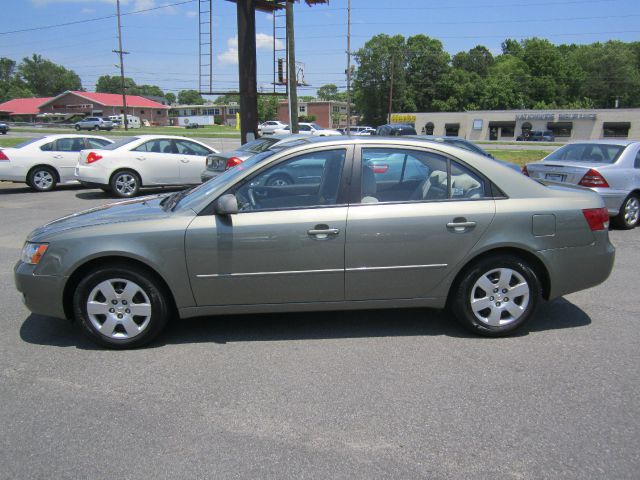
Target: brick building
column 21, row 109
column 328, row 114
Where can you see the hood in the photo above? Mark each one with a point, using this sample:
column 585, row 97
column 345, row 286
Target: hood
column 143, row 208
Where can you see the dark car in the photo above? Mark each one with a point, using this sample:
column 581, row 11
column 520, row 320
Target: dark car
column 395, row 129
column 467, row 145
column 4, row 128
column 537, row 136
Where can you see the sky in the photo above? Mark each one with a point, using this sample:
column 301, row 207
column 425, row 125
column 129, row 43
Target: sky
column 163, row 42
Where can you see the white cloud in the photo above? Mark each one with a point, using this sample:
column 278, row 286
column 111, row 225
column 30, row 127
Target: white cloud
column 191, row 13
column 263, row 42
column 133, row 4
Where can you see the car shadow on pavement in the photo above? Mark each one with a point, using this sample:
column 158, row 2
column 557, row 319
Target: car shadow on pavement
column 558, row 314
column 100, row 194
column 22, row 188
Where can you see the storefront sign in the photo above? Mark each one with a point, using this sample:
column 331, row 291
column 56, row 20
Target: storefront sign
column 577, row 116
column 535, row 116
column 403, row 118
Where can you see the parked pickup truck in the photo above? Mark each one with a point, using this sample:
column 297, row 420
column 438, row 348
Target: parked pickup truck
column 94, row 123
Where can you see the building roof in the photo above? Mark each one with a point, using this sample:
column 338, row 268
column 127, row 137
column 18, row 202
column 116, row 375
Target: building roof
column 110, row 99
column 23, row 106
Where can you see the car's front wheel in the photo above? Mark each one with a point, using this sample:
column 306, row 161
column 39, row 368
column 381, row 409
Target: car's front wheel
column 125, row 184
column 629, row 214
column 42, row 179
column 496, row 295
column 120, row 307
column 77, row 127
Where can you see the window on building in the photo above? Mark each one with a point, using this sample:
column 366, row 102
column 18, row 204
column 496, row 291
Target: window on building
column 159, row 112
column 232, row 110
column 560, row 129
column 428, row 128
column 302, row 108
column 141, row 112
column 336, row 109
column 616, row 129
column 194, row 111
column 451, row 129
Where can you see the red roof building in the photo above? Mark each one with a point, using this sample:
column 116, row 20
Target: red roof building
column 22, row 109
column 105, row 105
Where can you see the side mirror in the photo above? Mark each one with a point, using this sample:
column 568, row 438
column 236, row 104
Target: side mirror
column 227, row 204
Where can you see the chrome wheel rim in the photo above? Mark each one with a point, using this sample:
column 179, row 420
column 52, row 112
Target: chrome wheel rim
column 119, row 309
column 126, row 184
column 43, row 180
column 631, row 211
column 499, row 297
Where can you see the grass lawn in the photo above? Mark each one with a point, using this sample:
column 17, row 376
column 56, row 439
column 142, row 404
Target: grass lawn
column 11, row 141
column 545, row 144
column 519, row 157
column 209, row 131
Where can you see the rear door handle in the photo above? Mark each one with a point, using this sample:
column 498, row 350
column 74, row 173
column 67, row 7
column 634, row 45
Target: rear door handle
column 460, row 226
column 184, row 160
column 141, row 158
column 57, row 156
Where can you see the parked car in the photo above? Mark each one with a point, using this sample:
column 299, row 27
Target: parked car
column 94, row 123
column 270, row 126
column 395, row 129
column 537, row 136
column 359, row 130
column 4, row 128
column 467, row 145
column 309, row 129
column 611, row 168
column 143, row 161
column 44, row 162
column 470, row 234
column 218, row 163
column 192, row 125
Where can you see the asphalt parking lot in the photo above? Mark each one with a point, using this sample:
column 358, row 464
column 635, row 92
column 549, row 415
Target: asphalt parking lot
column 371, row 394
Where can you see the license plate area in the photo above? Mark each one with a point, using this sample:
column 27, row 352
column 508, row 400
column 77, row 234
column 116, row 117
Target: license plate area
column 219, row 164
column 555, row 177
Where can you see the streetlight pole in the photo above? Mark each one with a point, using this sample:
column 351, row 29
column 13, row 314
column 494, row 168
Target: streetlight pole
column 349, row 67
column 120, row 52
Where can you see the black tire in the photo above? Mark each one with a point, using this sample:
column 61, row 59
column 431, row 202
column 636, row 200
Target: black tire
column 149, row 292
column 279, row 180
column 125, row 184
column 496, row 319
column 42, row 179
column 97, row 128
column 77, row 127
column 629, row 214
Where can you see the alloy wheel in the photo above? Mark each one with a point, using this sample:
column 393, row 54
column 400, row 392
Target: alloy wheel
column 631, row 211
column 43, row 180
column 500, row 297
column 119, row 308
column 126, row 184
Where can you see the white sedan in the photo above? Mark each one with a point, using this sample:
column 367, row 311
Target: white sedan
column 44, row 162
column 309, row 129
column 143, row 161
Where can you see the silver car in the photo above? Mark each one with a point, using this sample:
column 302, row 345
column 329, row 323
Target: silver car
column 611, row 168
column 459, row 230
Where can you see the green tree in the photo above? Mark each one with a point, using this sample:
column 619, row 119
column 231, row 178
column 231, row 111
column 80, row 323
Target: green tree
column 548, row 71
column 507, row 85
column 190, row 97
column 151, row 90
column 427, row 62
column 329, row 92
column 171, row 98
column 267, row 107
column 477, row 60
column 376, row 60
column 45, row 78
column 113, row 84
column 227, row 99
column 458, row 90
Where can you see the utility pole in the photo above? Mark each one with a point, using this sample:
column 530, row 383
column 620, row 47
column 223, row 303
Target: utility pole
column 120, row 52
column 349, row 68
column 391, row 89
column 246, row 12
column 292, row 80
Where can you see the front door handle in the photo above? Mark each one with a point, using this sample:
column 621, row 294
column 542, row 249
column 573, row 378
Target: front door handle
column 321, row 232
column 57, row 156
column 184, row 160
column 460, row 225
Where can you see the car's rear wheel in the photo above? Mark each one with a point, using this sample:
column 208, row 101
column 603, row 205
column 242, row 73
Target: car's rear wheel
column 120, row 306
column 125, row 184
column 77, row 127
column 496, row 295
column 279, row 180
column 629, row 214
column 42, row 179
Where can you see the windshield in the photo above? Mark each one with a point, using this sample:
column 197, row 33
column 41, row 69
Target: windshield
column 587, row 152
column 200, row 192
column 27, row 142
column 257, row 146
column 316, row 126
column 119, row 143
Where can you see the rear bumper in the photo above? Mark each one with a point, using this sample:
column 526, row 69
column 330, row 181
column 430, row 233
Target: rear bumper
column 612, row 199
column 208, row 175
column 577, row 268
column 91, row 175
column 10, row 174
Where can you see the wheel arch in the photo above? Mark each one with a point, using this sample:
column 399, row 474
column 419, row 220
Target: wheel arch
column 126, row 169
column 48, row 165
column 534, row 261
column 82, row 270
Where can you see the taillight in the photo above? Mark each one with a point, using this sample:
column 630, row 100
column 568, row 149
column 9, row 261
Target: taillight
column 93, row 157
column 524, row 170
column 593, row 178
column 233, row 162
column 380, row 167
column 3, row 157
column 597, row 218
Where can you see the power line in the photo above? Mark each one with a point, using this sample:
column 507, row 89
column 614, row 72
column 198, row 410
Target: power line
column 96, row 19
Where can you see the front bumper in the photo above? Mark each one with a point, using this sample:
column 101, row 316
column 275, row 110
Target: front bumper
column 41, row 294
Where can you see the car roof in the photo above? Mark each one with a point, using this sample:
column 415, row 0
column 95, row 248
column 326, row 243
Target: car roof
column 66, row 135
column 621, row 142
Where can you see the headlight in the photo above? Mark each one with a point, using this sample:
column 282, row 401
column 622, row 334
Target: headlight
column 32, row 252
